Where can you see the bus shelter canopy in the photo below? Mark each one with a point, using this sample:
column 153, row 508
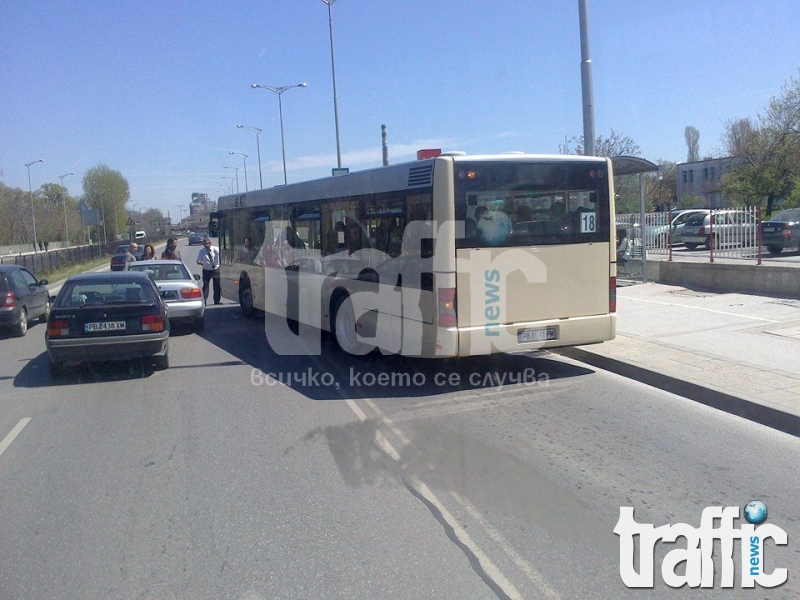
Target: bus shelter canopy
column 632, row 165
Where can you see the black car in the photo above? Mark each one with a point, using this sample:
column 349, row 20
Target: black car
column 118, row 259
column 782, row 231
column 22, row 298
column 108, row 317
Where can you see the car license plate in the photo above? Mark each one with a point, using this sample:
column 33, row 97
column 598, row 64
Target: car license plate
column 769, row 230
column 104, row 326
column 541, row 334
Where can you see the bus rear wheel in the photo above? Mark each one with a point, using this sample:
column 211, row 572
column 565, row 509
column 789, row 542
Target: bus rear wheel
column 246, row 300
column 343, row 325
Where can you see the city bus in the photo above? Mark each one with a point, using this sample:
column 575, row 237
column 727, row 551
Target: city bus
column 455, row 255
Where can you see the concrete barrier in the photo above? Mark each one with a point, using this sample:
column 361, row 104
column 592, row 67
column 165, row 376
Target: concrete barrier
column 768, row 280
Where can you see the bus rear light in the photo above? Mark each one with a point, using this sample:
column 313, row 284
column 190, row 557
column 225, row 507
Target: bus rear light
column 448, row 316
column 612, row 294
column 152, row 323
column 191, row 293
column 58, row 328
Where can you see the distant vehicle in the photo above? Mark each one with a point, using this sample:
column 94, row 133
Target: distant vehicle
column 782, row 231
column 107, row 317
column 182, row 292
column 22, row 298
column 118, row 259
column 195, row 238
column 659, row 235
column 140, row 235
column 730, row 228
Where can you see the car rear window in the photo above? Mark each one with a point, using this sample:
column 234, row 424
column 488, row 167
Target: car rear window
column 787, row 215
column 103, row 294
column 163, row 272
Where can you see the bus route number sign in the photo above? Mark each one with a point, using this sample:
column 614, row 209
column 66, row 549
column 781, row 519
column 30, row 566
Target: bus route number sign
column 588, row 222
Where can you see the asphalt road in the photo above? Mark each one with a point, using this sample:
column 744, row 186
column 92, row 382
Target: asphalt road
column 375, row 477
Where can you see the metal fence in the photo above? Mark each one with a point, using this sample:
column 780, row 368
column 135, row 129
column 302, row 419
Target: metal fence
column 725, row 233
column 42, row 263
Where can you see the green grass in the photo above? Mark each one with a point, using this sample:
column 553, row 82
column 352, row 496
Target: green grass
column 65, row 272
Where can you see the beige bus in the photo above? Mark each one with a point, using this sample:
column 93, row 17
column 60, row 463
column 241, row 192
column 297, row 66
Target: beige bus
column 455, row 255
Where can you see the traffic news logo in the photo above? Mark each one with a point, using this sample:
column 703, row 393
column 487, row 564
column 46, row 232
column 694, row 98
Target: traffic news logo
column 698, row 553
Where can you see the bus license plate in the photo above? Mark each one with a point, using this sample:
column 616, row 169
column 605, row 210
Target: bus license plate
column 104, row 326
column 542, row 334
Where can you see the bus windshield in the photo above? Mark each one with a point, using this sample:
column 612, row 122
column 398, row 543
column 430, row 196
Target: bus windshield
column 507, row 204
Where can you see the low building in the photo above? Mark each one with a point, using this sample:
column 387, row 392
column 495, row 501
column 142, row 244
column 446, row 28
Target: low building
column 702, row 180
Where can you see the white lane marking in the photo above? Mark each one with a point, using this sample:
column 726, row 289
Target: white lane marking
column 488, row 566
column 13, row 434
column 533, row 575
column 711, row 310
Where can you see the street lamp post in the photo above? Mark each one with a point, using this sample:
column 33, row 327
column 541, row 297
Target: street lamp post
column 237, row 175
column 33, row 212
column 64, row 202
column 279, row 90
column 258, row 147
column 230, row 187
column 244, row 158
column 333, row 73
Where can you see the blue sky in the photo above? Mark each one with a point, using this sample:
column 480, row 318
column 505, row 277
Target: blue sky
column 155, row 90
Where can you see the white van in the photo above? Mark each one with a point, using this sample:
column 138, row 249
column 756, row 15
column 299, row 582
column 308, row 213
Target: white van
column 140, row 235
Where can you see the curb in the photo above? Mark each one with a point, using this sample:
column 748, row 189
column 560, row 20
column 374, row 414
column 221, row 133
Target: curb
column 746, row 409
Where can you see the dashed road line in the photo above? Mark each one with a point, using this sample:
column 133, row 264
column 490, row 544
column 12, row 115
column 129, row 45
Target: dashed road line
column 13, row 434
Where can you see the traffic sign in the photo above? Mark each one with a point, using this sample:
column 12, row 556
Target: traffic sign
column 130, row 223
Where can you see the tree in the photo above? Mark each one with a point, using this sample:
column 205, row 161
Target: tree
column 693, row 143
column 768, row 153
column 107, row 191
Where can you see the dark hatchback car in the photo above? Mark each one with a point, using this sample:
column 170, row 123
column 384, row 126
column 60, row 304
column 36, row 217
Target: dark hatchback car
column 195, row 238
column 118, row 259
column 108, row 317
column 782, row 231
column 22, row 298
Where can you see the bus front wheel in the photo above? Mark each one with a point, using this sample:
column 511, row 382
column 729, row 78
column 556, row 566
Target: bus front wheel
column 246, row 300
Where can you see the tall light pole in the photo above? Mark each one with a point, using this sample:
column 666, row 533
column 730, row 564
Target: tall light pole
column 333, row 72
column 280, row 90
column 244, row 158
column 180, row 214
column 64, row 202
column 33, row 212
column 230, row 187
column 237, row 175
column 258, row 147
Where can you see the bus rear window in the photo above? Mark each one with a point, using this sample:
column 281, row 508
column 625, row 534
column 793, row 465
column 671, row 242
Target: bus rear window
column 523, row 204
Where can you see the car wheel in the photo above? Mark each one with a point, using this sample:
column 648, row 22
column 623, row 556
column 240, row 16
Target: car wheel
column 774, row 249
column 344, row 329
column 56, row 369
column 690, row 246
column 711, row 241
column 46, row 315
column 21, row 328
column 162, row 362
column 246, row 300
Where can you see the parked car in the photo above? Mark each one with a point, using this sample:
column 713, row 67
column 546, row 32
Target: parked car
column 22, row 298
column 178, row 288
column 730, row 228
column 107, row 317
column 118, row 259
column 782, row 231
column 195, row 238
column 679, row 222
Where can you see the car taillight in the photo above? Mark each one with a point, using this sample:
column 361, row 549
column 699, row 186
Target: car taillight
column 58, row 328
column 786, row 231
column 702, row 230
column 448, row 316
column 612, row 294
column 191, row 294
column 152, row 323
column 10, row 299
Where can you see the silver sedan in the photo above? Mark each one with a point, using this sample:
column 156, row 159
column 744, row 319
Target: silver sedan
column 181, row 291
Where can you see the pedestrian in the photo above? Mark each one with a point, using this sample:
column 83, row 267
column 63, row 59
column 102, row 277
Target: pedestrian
column 171, row 251
column 130, row 255
column 46, row 246
column 623, row 246
column 41, row 246
column 149, row 252
column 208, row 258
